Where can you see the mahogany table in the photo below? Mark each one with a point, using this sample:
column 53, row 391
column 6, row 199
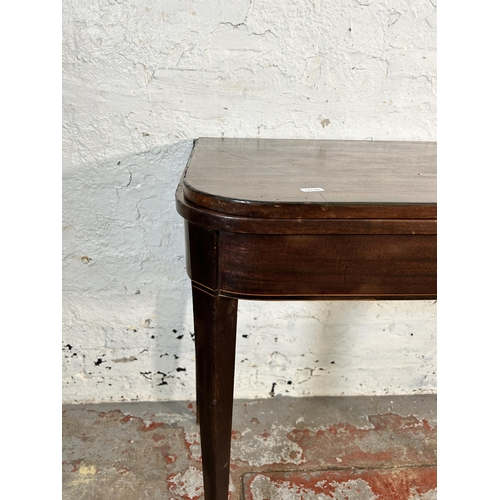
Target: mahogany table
column 296, row 219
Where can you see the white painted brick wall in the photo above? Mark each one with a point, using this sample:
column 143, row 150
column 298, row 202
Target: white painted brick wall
column 143, row 79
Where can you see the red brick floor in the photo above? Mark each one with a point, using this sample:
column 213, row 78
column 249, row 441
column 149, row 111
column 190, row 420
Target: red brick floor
column 351, row 448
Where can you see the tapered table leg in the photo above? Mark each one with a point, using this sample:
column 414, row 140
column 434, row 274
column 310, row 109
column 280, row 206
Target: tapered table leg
column 215, row 342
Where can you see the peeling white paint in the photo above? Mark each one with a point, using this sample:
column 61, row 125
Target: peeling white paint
column 140, row 83
column 263, row 488
column 428, row 495
column 193, row 441
column 267, row 448
column 188, row 484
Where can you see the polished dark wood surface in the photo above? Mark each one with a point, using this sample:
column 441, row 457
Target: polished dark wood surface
column 406, row 224
column 251, row 233
column 338, row 266
column 215, row 342
column 266, row 178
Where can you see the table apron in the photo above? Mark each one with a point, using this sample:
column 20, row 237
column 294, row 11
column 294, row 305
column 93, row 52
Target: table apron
column 356, row 266
column 333, row 266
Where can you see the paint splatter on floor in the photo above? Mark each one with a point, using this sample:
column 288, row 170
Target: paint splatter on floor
column 187, row 485
column 354, row 448
column 392, row 484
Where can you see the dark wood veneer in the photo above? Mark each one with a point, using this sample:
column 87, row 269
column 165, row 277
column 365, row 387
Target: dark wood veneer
column 332, row 266
column 251, row 233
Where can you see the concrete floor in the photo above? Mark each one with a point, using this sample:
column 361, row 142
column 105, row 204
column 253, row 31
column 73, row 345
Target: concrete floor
column 350, row 448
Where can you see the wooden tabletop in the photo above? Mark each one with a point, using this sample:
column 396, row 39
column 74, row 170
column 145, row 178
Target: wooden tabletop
column 288, row 178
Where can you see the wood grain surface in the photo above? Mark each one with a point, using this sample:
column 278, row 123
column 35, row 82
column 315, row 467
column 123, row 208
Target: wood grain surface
column 328, row 266
column 267, row 178
column 215, row 343
column 302, row 225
